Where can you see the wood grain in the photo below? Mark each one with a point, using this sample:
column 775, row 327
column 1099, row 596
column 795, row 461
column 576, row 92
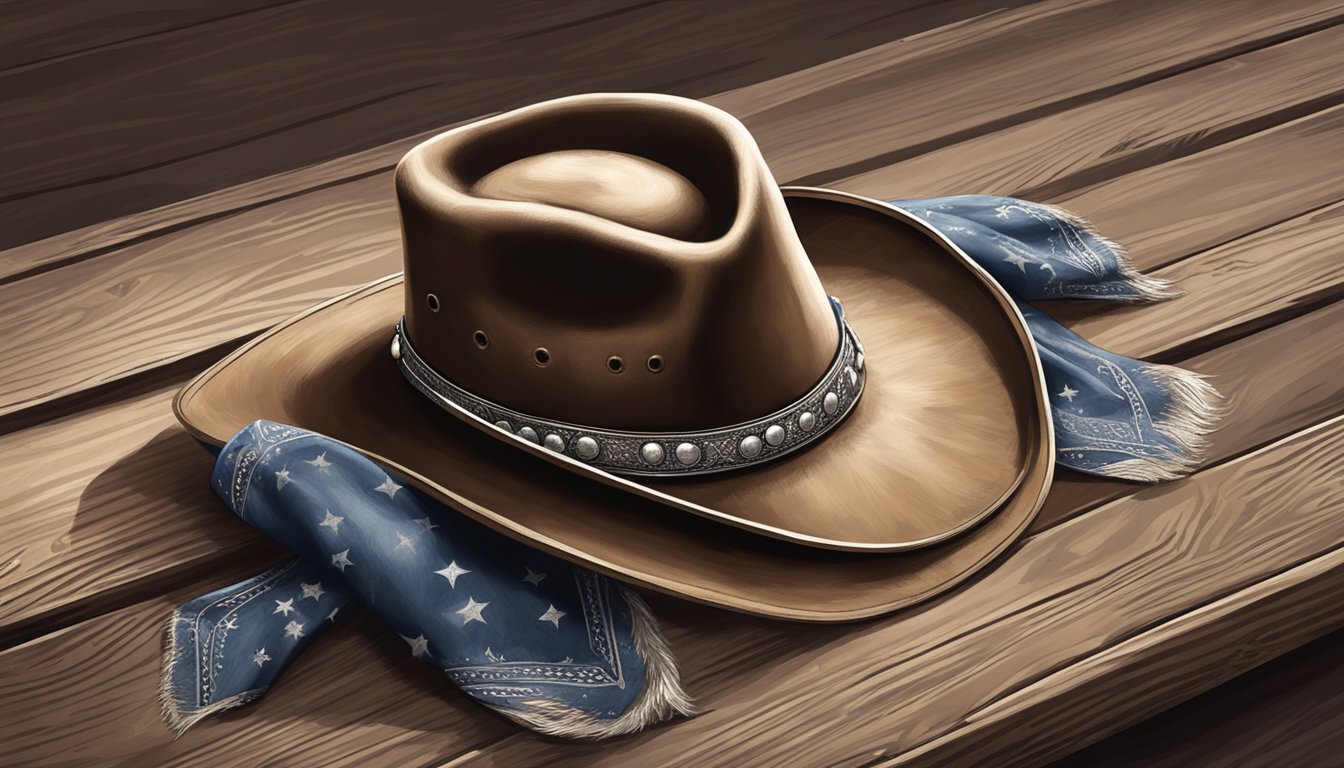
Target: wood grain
column 70, row 558
column 1066, row 594
column 1168, row 136
column 158, row 301
column 1140, row 676
column 1168, row 211
column 894, row 684
column 1275, row 382
column 254, row 94
column 1306, row 250
column 104, row 676
column 1289, row 711
column 36, row 32
column 1244, row 284
column 909, row 97
column 1181, row 114
column 1153, row 124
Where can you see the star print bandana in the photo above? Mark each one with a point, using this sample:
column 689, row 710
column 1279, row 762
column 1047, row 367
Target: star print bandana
column 560, row 649
column 1113, row 415
column 566, row 651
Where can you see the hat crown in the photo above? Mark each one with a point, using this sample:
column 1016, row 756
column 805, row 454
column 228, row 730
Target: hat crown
column 620, row 261
column 616, row 186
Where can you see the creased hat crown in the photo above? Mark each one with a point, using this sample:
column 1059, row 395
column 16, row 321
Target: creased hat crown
column 621, row 260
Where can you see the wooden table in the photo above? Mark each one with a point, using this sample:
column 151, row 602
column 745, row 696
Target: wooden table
column 177, row 181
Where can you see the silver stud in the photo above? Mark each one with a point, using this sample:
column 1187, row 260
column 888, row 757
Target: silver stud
column 396, row 347
column 830, row 403
column 853, row 376
column 529, row 434
column 750, row 447
column 504, row 425
column 858, row 361
column 806, row 421
column 651, row 453
column 586, row 447
column 774, row 434
column 554, row 442
column 688, row 453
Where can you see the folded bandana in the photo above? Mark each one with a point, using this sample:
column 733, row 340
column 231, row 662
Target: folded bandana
column 561, row 649
column 1113, row 415
column 553, row 646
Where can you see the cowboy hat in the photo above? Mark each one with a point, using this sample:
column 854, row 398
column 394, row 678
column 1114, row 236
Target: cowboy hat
column 624, row 344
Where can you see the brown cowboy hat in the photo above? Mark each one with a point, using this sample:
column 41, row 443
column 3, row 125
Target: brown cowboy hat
column 615, row 339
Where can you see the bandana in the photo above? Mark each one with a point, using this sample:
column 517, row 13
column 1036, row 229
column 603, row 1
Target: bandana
column 558, row 648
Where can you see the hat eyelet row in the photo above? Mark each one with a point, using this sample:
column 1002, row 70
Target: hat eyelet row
column 541, row 356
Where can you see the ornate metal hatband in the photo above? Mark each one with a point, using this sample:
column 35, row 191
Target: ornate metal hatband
column 806, row 420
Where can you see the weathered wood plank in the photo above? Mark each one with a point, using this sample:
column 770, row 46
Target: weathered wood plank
column 1228, row 295
column 1075, row 590
column 1153, row 124
column 98, row 704
column 106, row 236
column 1065, row 595
column 1165, row 212
column 178, row 115
column 1287, row 712
column 1276, row 382
column 170, row 296
column 905, row 100
column 1181, row 114
column 125, row 474
column 1220, row 194
column 1254, row 280
column 36, row 31
column 993, row 43
column 81, row 541
column 1142, row 675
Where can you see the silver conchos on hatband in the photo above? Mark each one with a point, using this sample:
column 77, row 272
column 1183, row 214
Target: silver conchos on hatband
column 666, row 453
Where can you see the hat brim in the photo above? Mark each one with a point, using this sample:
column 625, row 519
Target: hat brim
column 328, row 370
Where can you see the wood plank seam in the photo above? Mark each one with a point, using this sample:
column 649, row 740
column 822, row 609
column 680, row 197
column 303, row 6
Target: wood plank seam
column 389, row 162
column 1020, row 608
column 1312, row 443
column 1256, row 321
column 134, row 39
column 1102, row 172
column 889, row 158
column 1135, row 634
column 149, row 580
column 1293, row 576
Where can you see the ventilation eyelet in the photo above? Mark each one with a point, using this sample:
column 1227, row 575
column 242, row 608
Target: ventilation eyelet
column 433, row 302
column 655, row 363
column 615, row 364
column 541, row 356
column 480, row 339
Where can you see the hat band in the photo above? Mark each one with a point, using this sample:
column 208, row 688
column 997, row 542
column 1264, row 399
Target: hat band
column 804, row 421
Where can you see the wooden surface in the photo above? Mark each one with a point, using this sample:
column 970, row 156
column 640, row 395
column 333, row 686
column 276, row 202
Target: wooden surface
column 179, row 178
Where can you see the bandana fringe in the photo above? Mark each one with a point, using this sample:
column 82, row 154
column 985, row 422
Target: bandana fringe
column 1195, row 410
column 661, row 699
column 170, row 699
column 1146, row 287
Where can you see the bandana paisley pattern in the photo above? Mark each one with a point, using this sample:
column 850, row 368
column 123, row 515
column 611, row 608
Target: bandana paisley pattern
column 1113, row 416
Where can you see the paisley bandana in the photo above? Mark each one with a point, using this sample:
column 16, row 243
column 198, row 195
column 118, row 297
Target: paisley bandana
column 558, row 648
column 1114, row 416
column 555, row 647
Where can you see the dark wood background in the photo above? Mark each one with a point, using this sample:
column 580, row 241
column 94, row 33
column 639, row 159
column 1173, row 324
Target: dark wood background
column 109, row 108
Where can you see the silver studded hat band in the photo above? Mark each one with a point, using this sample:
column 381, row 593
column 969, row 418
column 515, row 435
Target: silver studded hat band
column 804, row 421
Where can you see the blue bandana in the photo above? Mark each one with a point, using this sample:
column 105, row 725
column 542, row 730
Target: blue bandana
column 1114, row 416
column 556, row 647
